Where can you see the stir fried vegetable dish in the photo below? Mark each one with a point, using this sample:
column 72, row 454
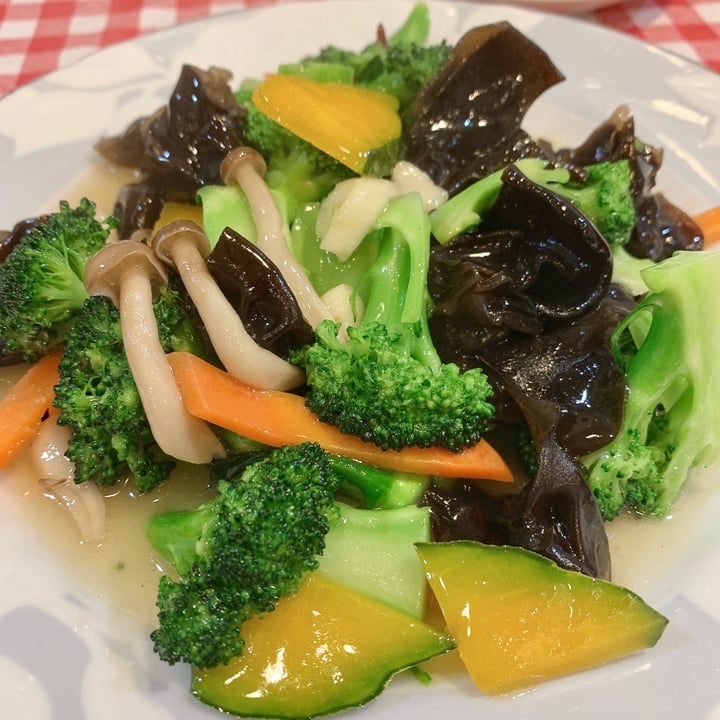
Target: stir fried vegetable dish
column 422, row 356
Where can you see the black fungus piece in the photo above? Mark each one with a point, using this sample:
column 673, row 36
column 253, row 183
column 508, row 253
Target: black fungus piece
column 576, row 265
column 565, row 387
column 256, row 289
column 534, row 258
column 466, row 122
column 479, row 287
column 662, row 228
column 554, row 514
column 570, row 365
column 126, row 149
column 137, row 207
column 557, row 514
column 182, row 144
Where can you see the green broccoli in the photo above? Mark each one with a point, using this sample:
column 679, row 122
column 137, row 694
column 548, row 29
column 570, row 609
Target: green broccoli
column 376, row 488
column 295, row 167
column 400, row 66
column 670, row 422
column 373, row 553
column 41, row 281
column 362, row 484
column 98, row 399
column 239, row 553
column 605, row 198
column 386, row 383
column 627, row 271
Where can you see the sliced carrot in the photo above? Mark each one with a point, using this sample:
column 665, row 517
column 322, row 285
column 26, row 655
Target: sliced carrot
column 278, row 418
column 709, row 222
column 23, row 408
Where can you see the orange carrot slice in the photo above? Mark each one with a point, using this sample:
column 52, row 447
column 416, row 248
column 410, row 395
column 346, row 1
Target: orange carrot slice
column 279, row 418
column 23, row 408
column 709, row 222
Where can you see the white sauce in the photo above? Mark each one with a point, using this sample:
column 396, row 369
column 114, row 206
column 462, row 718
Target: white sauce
column 121, row 568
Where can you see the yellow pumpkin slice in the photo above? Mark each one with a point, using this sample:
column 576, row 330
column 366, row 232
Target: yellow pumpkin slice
column 322, row 650
column 519, row 619
column 173, row 210
column 349, row 123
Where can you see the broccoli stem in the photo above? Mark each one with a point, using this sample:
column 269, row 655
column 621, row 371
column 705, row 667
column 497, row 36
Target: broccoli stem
column 378, row 488
column 373, row 553
column 397, row 295
column 415, row 29
column 175, row 534
column 373, row 487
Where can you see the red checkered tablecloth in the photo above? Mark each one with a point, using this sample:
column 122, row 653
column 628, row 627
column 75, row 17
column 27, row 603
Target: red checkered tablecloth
column 39, row 36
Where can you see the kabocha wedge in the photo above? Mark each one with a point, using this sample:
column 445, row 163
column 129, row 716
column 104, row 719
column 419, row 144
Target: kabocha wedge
column 329, row 649
column 359, row 128
column 519, row 619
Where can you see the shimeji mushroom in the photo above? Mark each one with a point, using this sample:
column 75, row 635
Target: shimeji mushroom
column 129, row 273
column 246, row 167
column 182, row 245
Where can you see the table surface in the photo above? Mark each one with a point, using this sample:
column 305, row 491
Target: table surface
column 39, row 36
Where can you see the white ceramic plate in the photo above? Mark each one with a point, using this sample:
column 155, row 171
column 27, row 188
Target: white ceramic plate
column 67, row 653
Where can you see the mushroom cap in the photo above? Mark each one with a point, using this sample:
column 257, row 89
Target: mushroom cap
column 106, row 269
column 238, row 157
column 179, row 231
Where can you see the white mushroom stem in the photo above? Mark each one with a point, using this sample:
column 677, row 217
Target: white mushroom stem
column 122, row 271
column 183, row 245
column 246, row 167
column 84, row 501
column 178, row 433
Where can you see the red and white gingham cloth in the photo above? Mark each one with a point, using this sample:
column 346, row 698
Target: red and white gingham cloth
column 39, row 36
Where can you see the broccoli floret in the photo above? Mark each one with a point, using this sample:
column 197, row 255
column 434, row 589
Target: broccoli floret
column 41, row 281
column 527, row 451
column 386, row 383
column 605, row 198
column 400, row 66
column 670, row 420
column 240, row 552
column 400, row 69
column 271, row 522
column 295, row 168
column 98, row 399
